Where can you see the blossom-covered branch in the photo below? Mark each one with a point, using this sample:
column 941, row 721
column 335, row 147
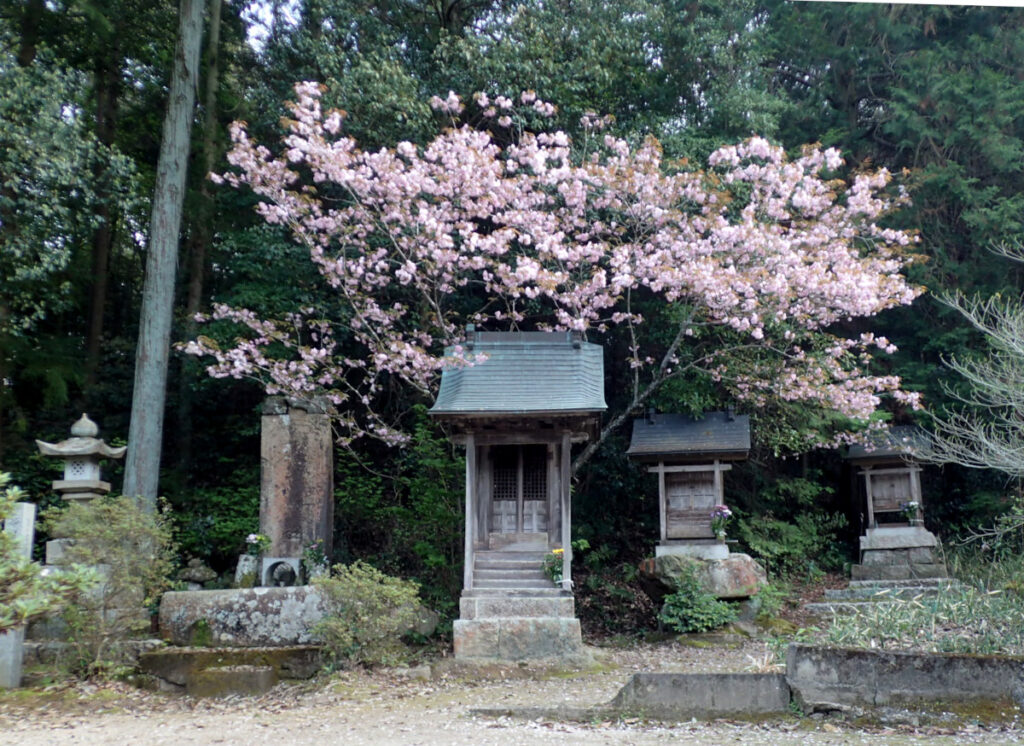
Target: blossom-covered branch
column 540, row 231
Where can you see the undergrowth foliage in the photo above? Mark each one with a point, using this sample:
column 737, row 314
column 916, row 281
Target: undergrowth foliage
column 983, row 612
column 367, row 613
column 25, row 593
column 693, row 609
column 132, row 551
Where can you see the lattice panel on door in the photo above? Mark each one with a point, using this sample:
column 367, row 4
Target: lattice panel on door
column 535, row 488
column 690, row 497
column 505, row 469
column 506, row 466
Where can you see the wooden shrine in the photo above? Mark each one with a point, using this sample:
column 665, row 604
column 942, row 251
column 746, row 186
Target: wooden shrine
column 690, row 457
column 895, row 544
column 892, row 478
column 518, row 405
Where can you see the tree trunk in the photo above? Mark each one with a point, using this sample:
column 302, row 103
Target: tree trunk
column 107, row 92
column 201, row 235
column 145, row 432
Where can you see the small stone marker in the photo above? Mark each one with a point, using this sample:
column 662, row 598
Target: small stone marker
column 20, row 525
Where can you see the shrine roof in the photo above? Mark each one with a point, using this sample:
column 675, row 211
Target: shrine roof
column 523, row 373
column 717, row 434
column 896, row 443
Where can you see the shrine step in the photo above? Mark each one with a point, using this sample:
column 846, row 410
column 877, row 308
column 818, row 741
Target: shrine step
column 510, row 573
column 509, row 606
column 847, row 607
column 508, row 555
column 921, row 582
column 516, row 592
column 884, row 593
column 513, row 583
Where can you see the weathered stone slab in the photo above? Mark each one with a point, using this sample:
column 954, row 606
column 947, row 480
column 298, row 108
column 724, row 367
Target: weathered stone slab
column 674, row 696
column 699, row 549
column 177, row 665
column 11, row 657
column 845, row 676
column 296, row 476
column 482, row 607
column 56, row 551
column 901, row 537
column 518, row 639
column 20, row 526
column 241, row 616
column 225, row 681
column 907, row 571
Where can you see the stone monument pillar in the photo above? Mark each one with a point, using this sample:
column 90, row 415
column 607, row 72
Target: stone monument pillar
column 296, row 485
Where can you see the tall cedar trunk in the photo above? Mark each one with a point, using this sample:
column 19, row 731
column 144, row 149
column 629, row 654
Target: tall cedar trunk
column 201, row 235
column 145, row 432
column 107, row 82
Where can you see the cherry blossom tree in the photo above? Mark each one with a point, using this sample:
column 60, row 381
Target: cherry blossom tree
column 499, row 223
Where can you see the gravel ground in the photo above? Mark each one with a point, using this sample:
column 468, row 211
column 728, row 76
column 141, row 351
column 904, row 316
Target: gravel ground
column 398, row 707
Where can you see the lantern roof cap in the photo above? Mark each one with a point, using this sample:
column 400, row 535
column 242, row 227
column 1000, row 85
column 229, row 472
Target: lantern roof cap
column 83, row 442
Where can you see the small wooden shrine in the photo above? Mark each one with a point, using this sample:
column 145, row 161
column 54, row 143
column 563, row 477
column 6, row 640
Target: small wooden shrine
column 517, row 405
column 690, row 457
column 895, row 544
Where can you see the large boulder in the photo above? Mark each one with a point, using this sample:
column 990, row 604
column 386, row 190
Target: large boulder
column 737, row 576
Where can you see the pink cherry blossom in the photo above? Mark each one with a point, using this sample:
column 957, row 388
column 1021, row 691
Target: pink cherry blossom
column 761, row 248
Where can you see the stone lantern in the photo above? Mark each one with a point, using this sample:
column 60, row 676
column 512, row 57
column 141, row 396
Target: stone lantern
column 81, row 453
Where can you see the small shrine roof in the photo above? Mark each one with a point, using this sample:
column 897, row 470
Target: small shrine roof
column 896, row 443
column 717, row 434
column 524, row 373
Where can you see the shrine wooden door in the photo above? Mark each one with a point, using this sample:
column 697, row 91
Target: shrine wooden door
column 519, row 489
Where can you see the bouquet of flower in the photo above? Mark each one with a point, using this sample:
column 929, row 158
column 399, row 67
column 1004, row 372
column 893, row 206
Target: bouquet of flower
column 257, row 543
column 720, row 518
column 553, row 565
column 910, row 509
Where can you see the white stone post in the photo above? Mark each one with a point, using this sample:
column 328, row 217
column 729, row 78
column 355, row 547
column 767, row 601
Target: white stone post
column 20, row 524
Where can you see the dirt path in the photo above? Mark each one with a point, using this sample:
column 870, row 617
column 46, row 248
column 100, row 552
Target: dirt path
column 396, row 707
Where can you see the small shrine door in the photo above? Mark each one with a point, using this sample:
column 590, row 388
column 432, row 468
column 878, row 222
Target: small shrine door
column 519, row 489
column 690, row 498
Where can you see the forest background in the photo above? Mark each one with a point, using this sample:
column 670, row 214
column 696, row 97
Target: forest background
column 933, row 93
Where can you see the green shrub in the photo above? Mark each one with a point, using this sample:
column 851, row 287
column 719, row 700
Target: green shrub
column 693, row 609
column 25, row 593
column 132, row 551
column 367, row 613
column 808, row 543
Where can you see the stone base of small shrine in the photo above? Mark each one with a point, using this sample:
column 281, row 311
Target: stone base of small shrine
column 518, row 626
column 547, row 639
column 706, row 549
column 737, row 576
column 898, row 553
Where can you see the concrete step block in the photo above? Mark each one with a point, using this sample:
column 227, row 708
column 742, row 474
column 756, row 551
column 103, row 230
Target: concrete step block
column 518, row 639
column 880, row 593
column 898, row 572
column 920, row 582
column 225, row 681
